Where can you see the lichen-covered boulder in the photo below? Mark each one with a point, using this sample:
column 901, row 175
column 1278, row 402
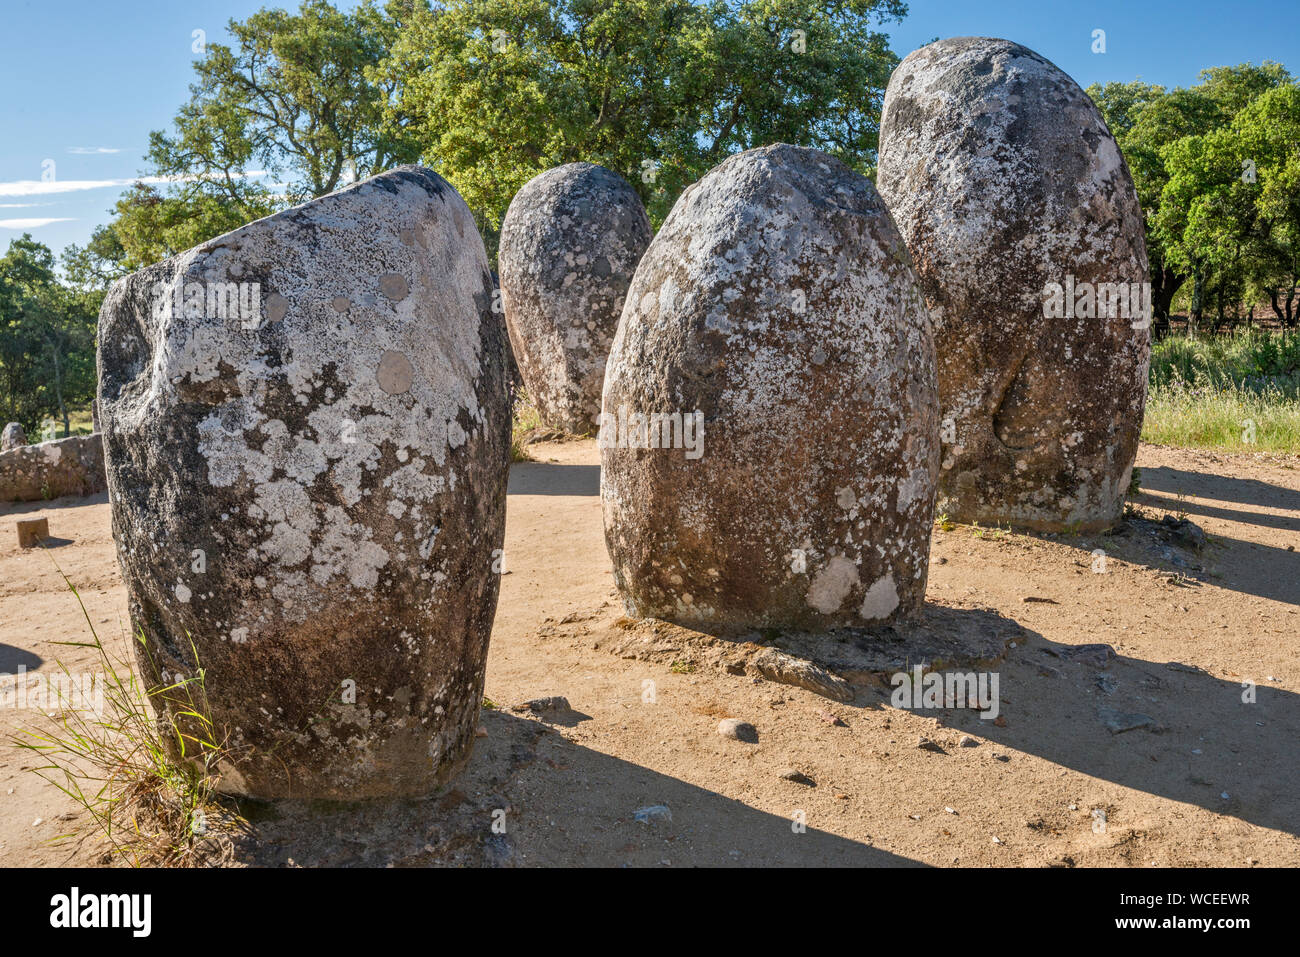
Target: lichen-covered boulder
column 570, row 242
column 12, row 437
column 769, row 437
column 1026, row 234
column 49, row 470
column 307, row 434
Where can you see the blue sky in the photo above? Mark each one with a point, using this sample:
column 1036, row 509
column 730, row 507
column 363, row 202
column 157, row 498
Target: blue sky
column 84, row 81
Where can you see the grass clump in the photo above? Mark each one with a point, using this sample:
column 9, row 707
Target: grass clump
column 1238, row 392
column 145, row 777
column 525, row 421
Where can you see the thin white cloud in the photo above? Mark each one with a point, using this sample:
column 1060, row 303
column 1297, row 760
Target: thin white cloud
column 92, row 150
column 36, row 187
column 30, row 223
column 22, row 205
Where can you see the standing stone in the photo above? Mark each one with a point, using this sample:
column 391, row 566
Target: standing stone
column 307, row 457
column 12, row 437
column 570, row 242
column 1013, row 198
column 776, row 311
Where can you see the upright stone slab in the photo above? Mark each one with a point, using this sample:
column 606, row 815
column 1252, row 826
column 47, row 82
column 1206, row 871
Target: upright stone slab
column 1021, row 215
column 307, row 434
column 777, row 311
column 570, row 242
column 12, row 437
column 32, row 531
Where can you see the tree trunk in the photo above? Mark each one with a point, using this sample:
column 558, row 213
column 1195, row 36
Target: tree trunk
column 1164, row 285
column 58, row 391
column 1198, row 304
column 1277, row 306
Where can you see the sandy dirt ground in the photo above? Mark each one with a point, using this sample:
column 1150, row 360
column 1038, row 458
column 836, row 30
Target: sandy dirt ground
column 1210, row 779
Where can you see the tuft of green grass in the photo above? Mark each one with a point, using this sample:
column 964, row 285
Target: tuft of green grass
column 1238, row 392
column 1230, row 419
column 525, row 420
column 1253, row 358
column 116, row 762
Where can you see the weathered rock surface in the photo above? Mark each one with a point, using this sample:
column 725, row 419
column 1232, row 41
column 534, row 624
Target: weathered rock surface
column 313, row 493
column 71, row 466
column 12, row 437
column 1003, row 178
column 570, row 242
column 778, row 303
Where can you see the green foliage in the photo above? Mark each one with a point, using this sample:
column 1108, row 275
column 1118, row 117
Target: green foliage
column 47, row 339
column 1230, row 209
column 92, row 268
column 1247, row 359
column 292, row 99
column 1203, row 162
column 1237, row 392
column 293, row 95
column 151, row 227
column 494, row 92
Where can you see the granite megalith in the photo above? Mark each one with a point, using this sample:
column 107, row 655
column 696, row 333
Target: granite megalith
column 307, row 431
column 12, row 437
column 769, row 434
column 570, row 241
column 1026, row 234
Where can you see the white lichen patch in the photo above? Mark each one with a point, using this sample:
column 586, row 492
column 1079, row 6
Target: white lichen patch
column 832, row 585
column 880, row 601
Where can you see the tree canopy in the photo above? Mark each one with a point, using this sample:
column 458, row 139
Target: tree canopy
column 1216, row 173
column 657, row 90
column 492, row 92
column 47, row 335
